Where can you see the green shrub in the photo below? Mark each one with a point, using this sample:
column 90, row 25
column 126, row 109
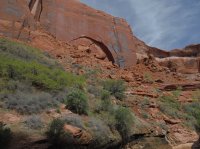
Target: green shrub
column 39, row 75
column 29, row 103
column 148, row 78
column 105, row 95
column 115, row 87
column 94, row 90
column 101, row 133
column 77, row 102
column 145, row 115
column 106, row 104
column 177, row 92
column 193, row 113
column 25, row 52
column 108, row 117
column 192, row 109
column 5, row 136
column 124, row 121
column 31, row 82
column 24, row 63
column 92, row 74
column 196, row 95
column 34, row 122
column 74, row 120
column 26, row 99
column 170, row 106
column 144, row 103
column 56, row 134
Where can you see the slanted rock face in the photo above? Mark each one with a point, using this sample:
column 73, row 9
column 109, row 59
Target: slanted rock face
column 69, row 21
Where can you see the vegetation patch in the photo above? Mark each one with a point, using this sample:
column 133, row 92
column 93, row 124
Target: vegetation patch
column 106, row 104
column 190, row 112
column 5, row 136
column 34, row 122
column 57, row 136
column 193, row 114
column 148, row 78
column 196, row 95
column 177, row 92
column 115, row 87
column 124, row 122
column 29, row 103
column 39, row 75
column 169, row 105
column 31, row 81
column 24, row 52
column 77, row 102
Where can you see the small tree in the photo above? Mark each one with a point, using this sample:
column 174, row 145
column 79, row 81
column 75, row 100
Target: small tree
column 124, row 121
column 77, row 102
column 115, row 87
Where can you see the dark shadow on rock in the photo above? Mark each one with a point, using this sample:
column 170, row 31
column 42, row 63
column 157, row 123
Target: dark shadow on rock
column 196, row 145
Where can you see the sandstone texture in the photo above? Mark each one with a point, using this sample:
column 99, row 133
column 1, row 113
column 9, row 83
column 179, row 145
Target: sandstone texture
column 186, row 60
column 72, row 22
column 106, row 37
column 83, row 39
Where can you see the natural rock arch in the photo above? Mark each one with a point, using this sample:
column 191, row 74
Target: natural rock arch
column 100, row 44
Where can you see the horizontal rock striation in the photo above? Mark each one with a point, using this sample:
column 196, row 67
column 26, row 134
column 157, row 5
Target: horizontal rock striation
column 185, row 60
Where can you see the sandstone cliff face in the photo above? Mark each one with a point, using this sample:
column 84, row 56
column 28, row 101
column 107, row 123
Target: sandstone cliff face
column 14, row 17
column 72, row 22
column 107, row 37
column 185, row 60
column 188, row 51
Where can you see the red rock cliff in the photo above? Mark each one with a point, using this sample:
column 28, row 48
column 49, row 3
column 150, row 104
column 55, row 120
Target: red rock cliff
column 72, row 22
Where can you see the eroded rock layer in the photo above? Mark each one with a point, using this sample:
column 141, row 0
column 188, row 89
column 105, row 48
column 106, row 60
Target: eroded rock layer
column 186, row 60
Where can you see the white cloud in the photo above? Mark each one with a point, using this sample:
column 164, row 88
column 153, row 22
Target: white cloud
column 155, row 20
column 166, row 24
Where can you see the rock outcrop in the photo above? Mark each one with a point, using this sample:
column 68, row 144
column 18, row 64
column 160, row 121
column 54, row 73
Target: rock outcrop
column 184, row 86
column 72, row 22
column 185, row 60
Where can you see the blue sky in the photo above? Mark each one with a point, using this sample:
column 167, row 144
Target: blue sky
column 166, row 24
